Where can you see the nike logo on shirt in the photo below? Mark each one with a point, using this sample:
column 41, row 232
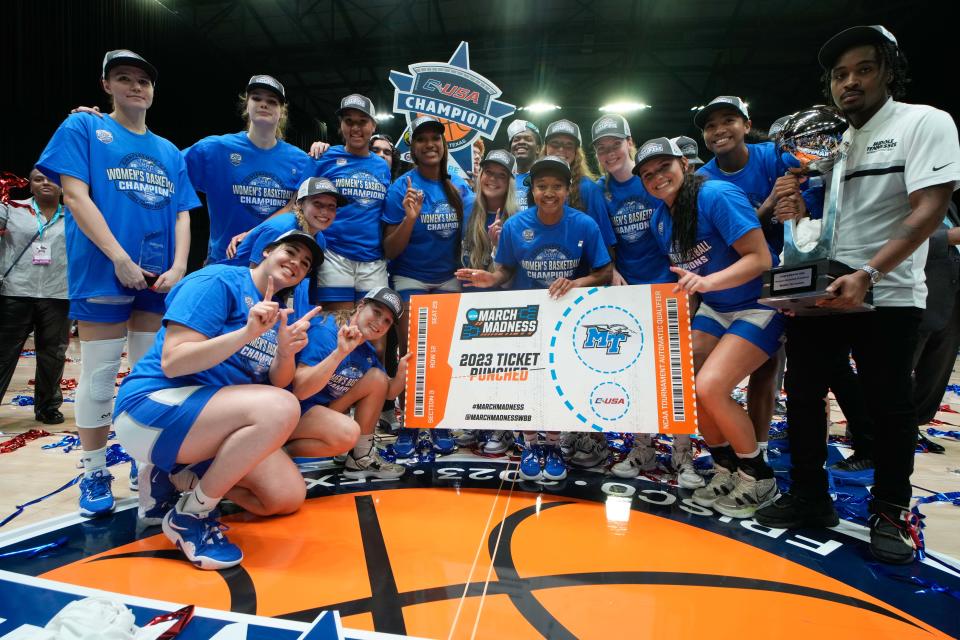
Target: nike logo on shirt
column 942, row 166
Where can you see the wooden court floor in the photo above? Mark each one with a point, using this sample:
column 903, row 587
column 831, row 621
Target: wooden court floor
column 460, row 549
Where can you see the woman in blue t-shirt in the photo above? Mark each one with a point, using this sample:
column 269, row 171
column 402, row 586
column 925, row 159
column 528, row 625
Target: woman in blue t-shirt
column 712, row 237
column 339, row 371
column 212, row 388
column 562, row 139
column 546, row 247
column 128, row 237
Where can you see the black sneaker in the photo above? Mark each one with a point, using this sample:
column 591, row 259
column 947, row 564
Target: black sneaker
column 853, row 464
column 890, row 539
column 50, row 416
column 791, row 511
column 932, row 447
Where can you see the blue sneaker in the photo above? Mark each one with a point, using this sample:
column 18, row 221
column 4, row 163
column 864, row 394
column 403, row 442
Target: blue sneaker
column 134, row 479
column 159, row 495
column 530, row 465
column 443, row 442
column 201, row 539
column 405, row 445
column 553, row 466
column 96, row 499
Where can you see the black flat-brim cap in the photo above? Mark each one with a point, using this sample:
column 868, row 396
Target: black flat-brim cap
column 550, row 165
column 119, row 57
column 305, row 239
column 852, row 37
column 425, row 122
column 269, row 83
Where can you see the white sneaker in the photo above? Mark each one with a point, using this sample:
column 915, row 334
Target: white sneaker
column 372, row 466
column 465, row 437
column 720, row 485
column 643, row 457
column 389, row 418
column 499, row 443
column 682, row 458
column 748, row 495
column 568, row 443
column 591, row 451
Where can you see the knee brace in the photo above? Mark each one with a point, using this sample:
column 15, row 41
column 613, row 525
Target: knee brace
column 138, row 343
column 99, row 365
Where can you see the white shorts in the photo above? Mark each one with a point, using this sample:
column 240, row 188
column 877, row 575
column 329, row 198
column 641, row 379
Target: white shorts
column 344, row 280
column 407, row 287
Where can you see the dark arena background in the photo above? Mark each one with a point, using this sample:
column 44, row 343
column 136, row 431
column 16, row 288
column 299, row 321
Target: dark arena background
column 459, row 547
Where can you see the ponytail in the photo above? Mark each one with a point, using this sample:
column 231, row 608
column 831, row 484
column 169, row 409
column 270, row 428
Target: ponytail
column 684, row 213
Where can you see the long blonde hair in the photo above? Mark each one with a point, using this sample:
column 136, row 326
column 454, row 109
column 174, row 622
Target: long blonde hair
column 579, row 168
column 631, row 153
column 476, row 242
column 281, row 124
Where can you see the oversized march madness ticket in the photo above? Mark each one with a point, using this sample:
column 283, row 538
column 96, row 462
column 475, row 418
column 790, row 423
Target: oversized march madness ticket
column 604, row 359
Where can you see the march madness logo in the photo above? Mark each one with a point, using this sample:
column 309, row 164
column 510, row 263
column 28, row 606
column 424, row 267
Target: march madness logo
column 463, row 100
column 608, row 337
column 502, row 322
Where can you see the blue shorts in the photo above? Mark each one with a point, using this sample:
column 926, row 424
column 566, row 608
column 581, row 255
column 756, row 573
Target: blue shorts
column 407, row 287
column 119, row 310
column 758, row 325
column 152, row 426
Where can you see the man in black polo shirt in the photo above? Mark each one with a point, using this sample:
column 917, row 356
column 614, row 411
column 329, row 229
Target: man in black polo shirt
column 903, row 163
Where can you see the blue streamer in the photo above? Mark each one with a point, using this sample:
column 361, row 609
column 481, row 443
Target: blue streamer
column 68, row 443
column 33, row 552
column 944, row 434
column 22, row 401
column 926, row 587
column 954, row 388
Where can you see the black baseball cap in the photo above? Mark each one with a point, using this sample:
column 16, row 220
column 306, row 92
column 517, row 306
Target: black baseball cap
column 269, row 83
column 118, row 57
column 359, row 103
column 382, row 136
column 656, row 148
column 853, row 37
column 613, row 125
column 690, row 149
column 503, row 158
column 388, row 298
column 721, row 102
column 305, row 239
column 319, row 186
column 550, row 164
column 564, row 127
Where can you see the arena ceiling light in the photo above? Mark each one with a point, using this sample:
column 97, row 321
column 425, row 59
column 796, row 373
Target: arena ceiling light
column 624, row 107
column 696, row 107
column 540, row 107
column 382, row 117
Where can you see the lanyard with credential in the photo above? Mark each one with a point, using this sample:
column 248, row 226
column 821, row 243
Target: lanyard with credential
column 41, row 227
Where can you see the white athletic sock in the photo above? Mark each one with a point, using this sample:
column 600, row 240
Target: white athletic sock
column 93, row 461
column 364, row 445
column 752, row 454
column 199, row 503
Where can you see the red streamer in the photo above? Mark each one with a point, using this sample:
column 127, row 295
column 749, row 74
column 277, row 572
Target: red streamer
column 182, row 616
column 8, row 182
column 21, row 440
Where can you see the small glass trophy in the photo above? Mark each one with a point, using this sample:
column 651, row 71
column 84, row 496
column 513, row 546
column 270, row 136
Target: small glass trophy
column 813, row 140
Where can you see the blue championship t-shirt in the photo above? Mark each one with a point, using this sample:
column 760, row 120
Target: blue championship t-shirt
column 756, row 180
column 253, row 244
column 724, row 215
column 138, row 182
column 432, row 254
column 595, row 206
column 522, row 184
column 212, row 301
column 638, row 256
column 355, row 232
column 539, row 253
column 322, row 341
column 244, row 183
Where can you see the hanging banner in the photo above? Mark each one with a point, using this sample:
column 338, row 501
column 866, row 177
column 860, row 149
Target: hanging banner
column 602, row 359
column 463, row 100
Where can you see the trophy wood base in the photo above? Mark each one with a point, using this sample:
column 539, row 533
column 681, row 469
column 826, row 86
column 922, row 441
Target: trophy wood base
column 799, row 287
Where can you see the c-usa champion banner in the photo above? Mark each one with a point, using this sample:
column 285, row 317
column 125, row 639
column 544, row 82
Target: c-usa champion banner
column 463, row 100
